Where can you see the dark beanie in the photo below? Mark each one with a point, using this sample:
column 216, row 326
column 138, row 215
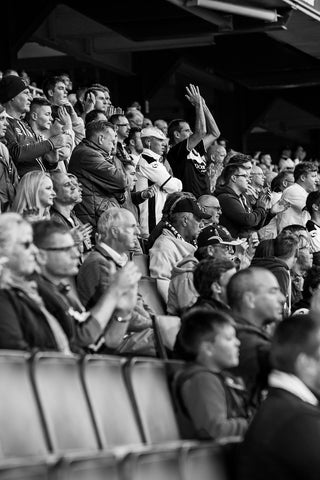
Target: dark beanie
column 10, row 87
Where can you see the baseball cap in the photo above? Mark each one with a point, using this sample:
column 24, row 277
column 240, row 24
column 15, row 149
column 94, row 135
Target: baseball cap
column 217, row 235
column 10, row 87
column 153, row 132
column 187, row 204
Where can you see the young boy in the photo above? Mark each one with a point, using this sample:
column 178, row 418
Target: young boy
column 210, row 403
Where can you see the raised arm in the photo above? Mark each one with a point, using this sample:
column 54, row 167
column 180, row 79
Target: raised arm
column 194, row 97
column 213, row 131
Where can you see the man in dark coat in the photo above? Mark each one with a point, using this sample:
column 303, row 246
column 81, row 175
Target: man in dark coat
column 256, row 302
column 282, row 441
column 100, row 174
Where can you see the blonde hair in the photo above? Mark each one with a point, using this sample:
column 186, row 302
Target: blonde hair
column 27, row 195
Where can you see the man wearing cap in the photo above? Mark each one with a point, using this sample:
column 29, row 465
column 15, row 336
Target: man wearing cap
column 214, row 243
column 152, row 169
column 176, row 241
column 187, row 152
column 25, row 148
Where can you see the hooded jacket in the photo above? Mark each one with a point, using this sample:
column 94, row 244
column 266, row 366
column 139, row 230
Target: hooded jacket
column 279, row 269
column 237, row 218
column 182, row 293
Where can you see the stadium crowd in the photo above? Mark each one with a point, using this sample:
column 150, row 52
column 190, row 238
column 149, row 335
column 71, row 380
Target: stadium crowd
column 230, row 241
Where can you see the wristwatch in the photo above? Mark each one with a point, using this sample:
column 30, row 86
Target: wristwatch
column 120, row 319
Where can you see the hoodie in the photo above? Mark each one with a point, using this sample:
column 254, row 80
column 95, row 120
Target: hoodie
column 237, row 216
column 182, row 293
column 279, row 269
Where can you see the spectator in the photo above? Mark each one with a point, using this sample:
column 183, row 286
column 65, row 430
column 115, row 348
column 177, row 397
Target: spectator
column 25, row 148
column 122, row 127
column 211, row 278
column 152, row 169
column 310, row 286
column 210, row 401
column 162, row 125
column 237, row 215
column 100, row 175
column 32, row 318
column 170, row 200
column 135, row 118
column 182, row 293
column 8, row 172
column 187, row 152
column 117, row 233
column 313, row 225
column 285, row 255
column 94, row 115
column 287, row 448
column 306, row 181
column 67, row 196
column 256, row 302
column 35, row 195
column 56, row 92
column 216, row 155
column 134, row 144
column 211, row 205
column 176, row 240
column 265, row 159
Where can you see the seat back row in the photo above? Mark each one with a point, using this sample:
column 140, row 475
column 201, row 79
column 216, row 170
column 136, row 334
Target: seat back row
column 67, row 407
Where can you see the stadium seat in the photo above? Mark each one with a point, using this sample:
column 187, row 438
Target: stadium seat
column 22, row 469
column 103, row 466
column 63, row 403
column 155, row 465
column 110, row 402
column 203, row 462
column 141, row 260
column 149, row 291
column 21, row 429
column 148, row 385
column 166, row 328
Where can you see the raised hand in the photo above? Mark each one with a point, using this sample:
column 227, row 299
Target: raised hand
column 193, row 95
column 65, row 118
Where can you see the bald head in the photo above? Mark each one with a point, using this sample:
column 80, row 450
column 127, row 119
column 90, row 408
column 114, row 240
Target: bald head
column 212, row 206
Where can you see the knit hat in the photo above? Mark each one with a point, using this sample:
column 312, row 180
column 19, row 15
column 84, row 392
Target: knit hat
column 10, row 87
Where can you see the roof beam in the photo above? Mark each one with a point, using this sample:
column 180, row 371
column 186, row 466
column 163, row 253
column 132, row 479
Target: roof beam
column 246, row 11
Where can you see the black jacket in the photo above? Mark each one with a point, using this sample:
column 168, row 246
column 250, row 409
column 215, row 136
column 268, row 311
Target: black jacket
column 240, row 221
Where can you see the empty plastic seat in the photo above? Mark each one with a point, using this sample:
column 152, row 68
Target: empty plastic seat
column 21, row 429
column 148, row 383
column 110, row 402
column 63, row 402
column 141, row 260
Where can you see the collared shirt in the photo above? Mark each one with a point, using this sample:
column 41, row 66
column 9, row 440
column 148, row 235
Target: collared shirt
column 291, row 383
column 120, row 258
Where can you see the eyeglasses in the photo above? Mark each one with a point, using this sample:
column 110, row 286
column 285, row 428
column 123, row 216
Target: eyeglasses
column 122, row 124
column 59, row 249
column 242, row 175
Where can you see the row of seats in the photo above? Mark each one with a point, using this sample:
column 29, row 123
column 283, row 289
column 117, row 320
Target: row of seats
column 65, row 417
